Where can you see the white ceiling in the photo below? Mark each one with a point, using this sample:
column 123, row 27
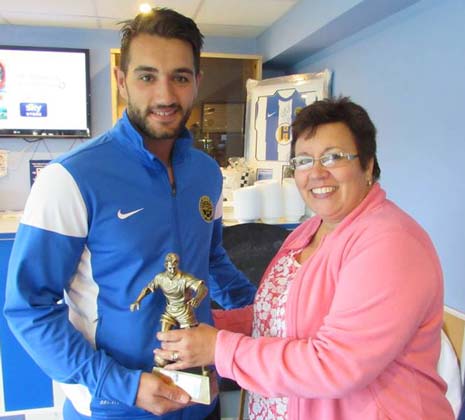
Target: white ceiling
column 241, row 18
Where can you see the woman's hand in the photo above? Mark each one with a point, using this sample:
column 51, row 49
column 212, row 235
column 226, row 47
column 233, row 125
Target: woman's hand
column 189, row 347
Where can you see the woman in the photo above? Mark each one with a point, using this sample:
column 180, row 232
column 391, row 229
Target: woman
column 346, row 322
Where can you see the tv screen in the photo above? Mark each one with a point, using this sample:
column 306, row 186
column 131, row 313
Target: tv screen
column 44, row 92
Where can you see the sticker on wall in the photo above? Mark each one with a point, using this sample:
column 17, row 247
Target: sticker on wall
column 35, row 166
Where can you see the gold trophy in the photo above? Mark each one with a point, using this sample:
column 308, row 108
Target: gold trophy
column 179, row 289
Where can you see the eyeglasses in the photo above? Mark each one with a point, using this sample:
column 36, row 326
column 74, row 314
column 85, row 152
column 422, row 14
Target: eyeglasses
column 329, row 160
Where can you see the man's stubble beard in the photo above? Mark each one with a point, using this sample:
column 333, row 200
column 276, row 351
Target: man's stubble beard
column 140, row 122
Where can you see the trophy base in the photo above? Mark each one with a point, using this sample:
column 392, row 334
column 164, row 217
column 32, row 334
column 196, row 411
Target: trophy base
column 203, row 389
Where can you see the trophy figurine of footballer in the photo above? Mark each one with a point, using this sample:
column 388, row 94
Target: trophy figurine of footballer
column 183, row 293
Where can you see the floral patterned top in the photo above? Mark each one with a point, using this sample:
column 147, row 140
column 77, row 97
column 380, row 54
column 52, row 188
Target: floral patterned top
column 269, row 321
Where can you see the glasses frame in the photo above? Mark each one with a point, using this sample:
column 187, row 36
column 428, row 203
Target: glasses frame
column 342, row 155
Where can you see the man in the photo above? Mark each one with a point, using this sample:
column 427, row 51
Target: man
column 98, row 223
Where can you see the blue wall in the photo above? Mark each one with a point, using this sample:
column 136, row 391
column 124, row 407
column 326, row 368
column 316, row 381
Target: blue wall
column 408, row 72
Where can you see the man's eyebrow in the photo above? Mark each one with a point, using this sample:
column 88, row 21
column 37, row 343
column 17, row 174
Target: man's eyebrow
column 184, row 70
column 151, row 69
column 146, row 68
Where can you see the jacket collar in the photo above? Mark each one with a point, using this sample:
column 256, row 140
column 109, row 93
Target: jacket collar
column 130, row 138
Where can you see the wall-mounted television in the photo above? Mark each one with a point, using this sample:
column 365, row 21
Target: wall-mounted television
column 44, row 92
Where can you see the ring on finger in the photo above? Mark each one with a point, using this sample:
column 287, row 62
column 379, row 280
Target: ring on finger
column 174, row 356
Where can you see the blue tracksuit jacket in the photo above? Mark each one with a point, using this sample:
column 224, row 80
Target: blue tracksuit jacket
column 96, row 229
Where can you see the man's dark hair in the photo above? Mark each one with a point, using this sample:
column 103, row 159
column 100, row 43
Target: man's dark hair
column 342, row 110
column 165, row 23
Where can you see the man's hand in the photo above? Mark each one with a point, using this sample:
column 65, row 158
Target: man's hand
column 158, row 395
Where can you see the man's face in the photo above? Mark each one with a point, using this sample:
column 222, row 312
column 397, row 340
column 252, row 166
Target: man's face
column 160, row 85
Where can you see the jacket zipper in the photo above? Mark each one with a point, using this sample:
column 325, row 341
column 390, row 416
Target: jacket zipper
column 175, row 216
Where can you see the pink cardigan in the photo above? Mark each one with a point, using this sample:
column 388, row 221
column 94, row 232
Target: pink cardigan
column 363, row 320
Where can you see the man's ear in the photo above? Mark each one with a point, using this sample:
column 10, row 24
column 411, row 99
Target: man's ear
column 120, row 78
column 199, row 78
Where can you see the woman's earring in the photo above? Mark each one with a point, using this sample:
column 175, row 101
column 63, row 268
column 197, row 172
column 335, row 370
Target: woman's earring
column 369, row 182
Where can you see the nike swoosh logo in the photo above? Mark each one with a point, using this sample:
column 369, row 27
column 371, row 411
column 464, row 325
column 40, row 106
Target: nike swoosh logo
column 270, row 115
column 123, row 216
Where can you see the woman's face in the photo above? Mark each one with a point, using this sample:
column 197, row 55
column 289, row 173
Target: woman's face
column 332, row 193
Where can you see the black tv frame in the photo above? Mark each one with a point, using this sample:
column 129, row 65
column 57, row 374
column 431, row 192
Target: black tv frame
column 53, row 133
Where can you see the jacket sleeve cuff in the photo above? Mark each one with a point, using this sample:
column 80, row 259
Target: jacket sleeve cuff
column 120, row 384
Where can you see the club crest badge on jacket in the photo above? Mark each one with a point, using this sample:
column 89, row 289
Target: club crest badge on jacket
column 206, row 208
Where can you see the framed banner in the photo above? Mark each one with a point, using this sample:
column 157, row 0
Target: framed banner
column 272, row 105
